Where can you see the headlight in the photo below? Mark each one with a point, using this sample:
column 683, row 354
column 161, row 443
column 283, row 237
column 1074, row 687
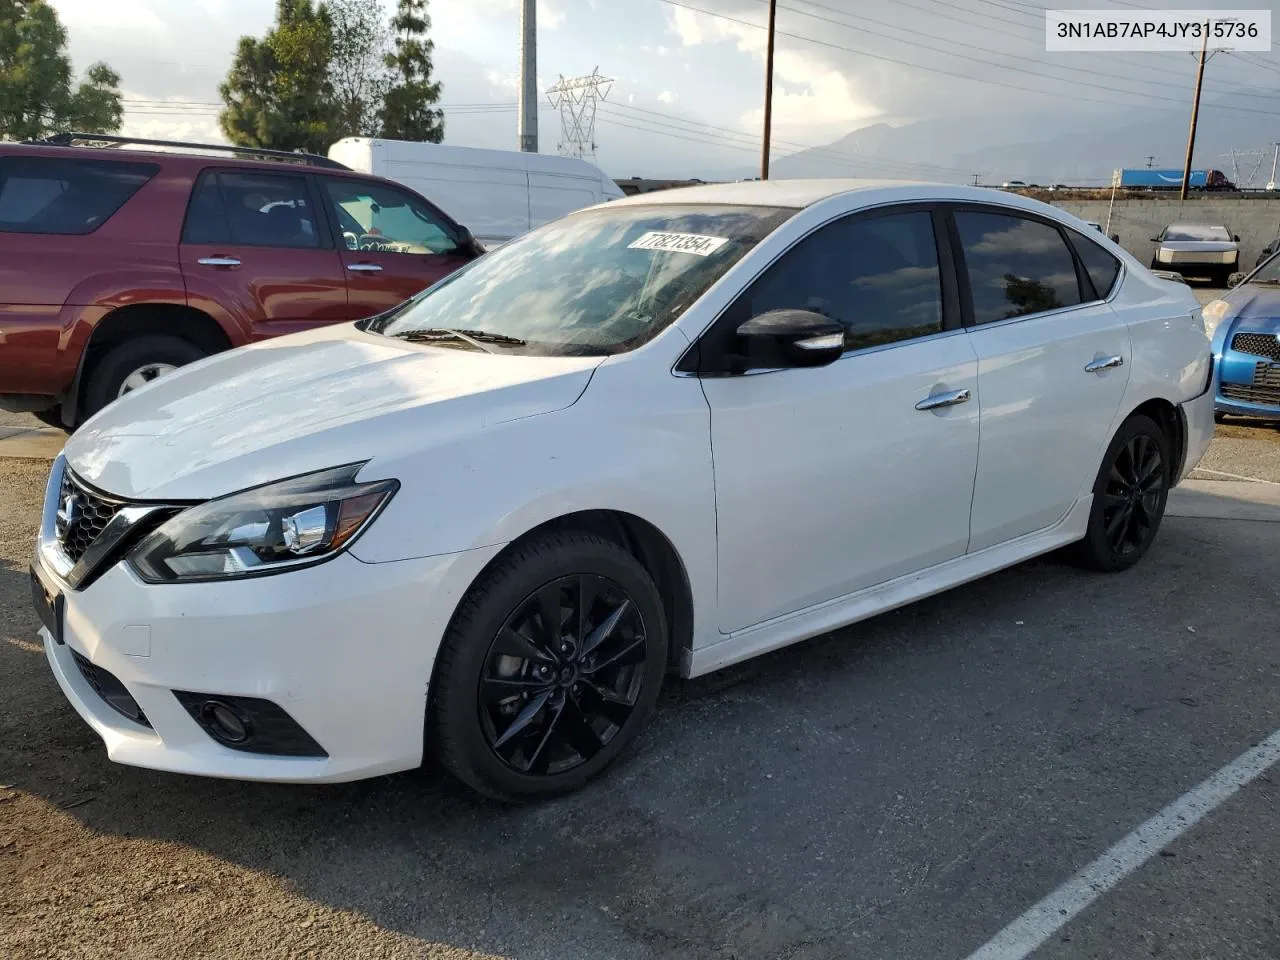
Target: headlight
column 1214, row 313
column 268, row 529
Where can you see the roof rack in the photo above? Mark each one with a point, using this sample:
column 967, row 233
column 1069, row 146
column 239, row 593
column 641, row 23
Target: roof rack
column 114, row 140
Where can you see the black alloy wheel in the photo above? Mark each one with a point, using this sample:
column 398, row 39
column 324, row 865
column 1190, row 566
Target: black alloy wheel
column 1132, row 494
column 563, row 675
column 1129, row 497
column 550, row 667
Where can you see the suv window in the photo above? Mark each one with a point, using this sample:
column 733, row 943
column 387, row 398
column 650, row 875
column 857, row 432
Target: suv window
column 375, row 217
column 1100, row 265
column 1016, row 266
column 878, row 276
column 251, row 209
column 65, row 196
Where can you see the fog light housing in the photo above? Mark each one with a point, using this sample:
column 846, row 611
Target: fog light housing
column 225, row 723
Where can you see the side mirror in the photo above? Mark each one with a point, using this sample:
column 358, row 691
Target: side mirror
column 1235, row 237
column 1155, row 239
column 790, row 338
column 1114, row 238
column 467, row 243
column 1234, row 279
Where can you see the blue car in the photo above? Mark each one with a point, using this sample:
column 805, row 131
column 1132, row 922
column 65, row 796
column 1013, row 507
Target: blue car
column 1245, row 329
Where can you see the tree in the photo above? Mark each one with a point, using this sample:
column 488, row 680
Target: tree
column 278, row 93
column 358, row 72
column 407, row 113
column 36, row 95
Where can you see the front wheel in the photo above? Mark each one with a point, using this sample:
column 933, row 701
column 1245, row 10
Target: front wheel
column 550, row 668
column 1129, row 497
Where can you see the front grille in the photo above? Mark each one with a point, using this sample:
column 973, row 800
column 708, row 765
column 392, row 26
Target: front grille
column 111, row 690
column 1265, row 388
column 1258, row 344
column 82, row 516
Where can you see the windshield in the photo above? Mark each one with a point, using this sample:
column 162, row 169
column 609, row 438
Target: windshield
column 599, row 282
column 1195, row 231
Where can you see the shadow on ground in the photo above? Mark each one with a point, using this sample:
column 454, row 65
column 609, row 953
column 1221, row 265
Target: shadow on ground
column 901, row 788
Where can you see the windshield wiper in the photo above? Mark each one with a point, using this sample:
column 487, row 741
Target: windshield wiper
column 477, row 338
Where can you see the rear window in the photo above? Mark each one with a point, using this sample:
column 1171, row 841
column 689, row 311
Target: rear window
column 65, row 196
column 1101, row 266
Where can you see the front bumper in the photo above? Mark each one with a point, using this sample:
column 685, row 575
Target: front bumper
column 346, row 648
column 1246, row 385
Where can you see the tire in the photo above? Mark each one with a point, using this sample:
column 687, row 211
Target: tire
column 1219, row 417
column 501, row 726
column 51, row 417
column 1122, row 525
column 133, row 356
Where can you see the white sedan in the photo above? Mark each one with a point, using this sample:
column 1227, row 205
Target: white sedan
column 658, row 436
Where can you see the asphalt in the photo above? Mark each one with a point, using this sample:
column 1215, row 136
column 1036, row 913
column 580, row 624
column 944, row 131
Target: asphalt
column 900, row 789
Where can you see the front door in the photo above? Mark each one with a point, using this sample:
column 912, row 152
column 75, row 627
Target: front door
column 254, row 252
column 1053, row 363
column 833, row 479
column 393, row 244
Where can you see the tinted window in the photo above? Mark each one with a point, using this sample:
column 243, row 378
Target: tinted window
column 878, row 276
column 1016, row 266
column 72, row 196
column 1101, row 266
column 206, row 217
column 268, row 210
column 374, row 217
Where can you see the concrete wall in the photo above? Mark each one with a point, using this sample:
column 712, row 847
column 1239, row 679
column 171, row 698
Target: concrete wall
column 1257, row 221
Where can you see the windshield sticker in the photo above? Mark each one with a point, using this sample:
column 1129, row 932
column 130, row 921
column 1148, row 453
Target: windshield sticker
column 681, row 242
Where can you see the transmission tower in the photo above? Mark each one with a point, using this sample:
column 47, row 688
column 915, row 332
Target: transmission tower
column 576, row 99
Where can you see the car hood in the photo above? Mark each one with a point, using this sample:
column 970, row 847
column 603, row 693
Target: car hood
column 306, row 402
column 1255, row 308
column 1198, row 246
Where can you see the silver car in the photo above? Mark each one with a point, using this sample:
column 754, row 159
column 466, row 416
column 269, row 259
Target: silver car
column 1197, row 249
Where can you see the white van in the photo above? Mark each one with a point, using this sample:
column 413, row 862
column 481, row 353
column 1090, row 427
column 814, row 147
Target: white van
column 496, row 194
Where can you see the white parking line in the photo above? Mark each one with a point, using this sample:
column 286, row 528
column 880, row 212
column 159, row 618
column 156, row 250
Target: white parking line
column 1234, row 476
column 1055, row 911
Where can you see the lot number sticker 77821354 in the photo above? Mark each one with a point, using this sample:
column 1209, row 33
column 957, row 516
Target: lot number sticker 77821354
column 680, row 242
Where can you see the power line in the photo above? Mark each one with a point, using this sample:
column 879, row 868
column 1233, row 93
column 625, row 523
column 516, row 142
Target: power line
column 951, row 73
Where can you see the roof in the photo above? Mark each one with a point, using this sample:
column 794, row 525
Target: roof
column 804, row 193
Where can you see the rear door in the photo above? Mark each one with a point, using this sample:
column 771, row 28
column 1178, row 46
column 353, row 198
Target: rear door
column 1053, row 363
column 392, row 242
column 254, row 249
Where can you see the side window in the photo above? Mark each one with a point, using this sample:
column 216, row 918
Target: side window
column 65, row 196
column 1016, row 266
column 878, row 276
column 206, row 216
column 1101, row 266
column 267, row 209
column 377, row 218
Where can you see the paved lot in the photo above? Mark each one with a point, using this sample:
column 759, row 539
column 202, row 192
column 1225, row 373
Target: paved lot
column 902, row 789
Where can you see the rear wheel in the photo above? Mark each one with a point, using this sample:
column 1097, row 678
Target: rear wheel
column 134, row 364
column 550, row 668
column 1129, row 497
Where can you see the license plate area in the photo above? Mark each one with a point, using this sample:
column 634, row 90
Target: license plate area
column 49, row 604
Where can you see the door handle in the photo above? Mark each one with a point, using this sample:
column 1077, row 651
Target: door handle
column 364, row 267
column 1103, row 363
column 218, row 262
column 949, row 399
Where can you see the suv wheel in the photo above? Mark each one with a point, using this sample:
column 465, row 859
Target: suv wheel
column 136, row 363
column 550, row 668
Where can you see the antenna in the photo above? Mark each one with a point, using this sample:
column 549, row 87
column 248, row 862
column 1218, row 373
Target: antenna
column 576, row 99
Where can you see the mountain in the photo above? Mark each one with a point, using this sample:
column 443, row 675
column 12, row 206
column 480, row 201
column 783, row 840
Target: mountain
column 1068, row 147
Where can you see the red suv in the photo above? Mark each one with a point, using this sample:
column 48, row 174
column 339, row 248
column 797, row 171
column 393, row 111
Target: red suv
column 118, row 265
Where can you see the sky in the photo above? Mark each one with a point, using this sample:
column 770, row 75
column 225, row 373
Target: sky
column 688, row 75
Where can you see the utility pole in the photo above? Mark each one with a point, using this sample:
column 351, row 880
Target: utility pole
column 976, row 178
column 1151, row 160
column 1195, row 115
column 1271, row 184
column 576, row 99
column 768, row 92
column 529, row 76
